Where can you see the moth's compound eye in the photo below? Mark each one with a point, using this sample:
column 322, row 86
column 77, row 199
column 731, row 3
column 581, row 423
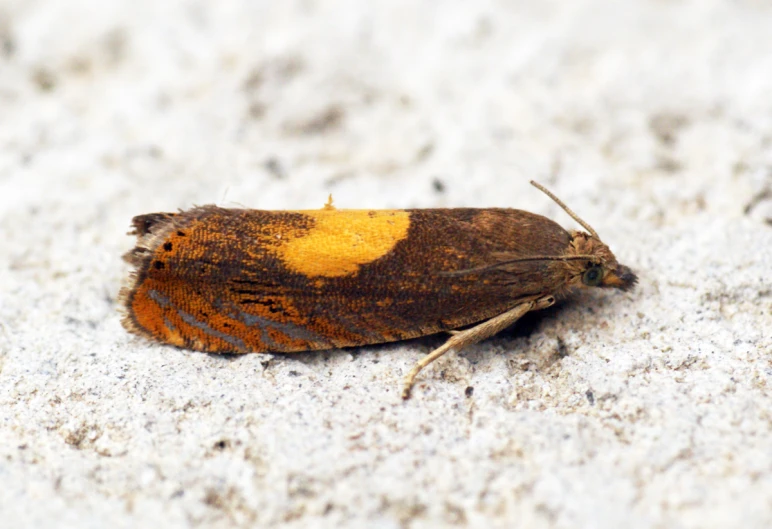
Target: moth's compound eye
column 593, row 276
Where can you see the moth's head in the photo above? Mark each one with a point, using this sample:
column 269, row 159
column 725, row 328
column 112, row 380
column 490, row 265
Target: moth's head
column 600, row 269
column 589, row 262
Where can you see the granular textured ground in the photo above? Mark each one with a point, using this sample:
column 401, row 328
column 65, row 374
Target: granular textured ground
column 651, row 119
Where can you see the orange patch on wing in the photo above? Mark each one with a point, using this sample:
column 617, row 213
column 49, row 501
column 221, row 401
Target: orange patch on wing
column 152, row 316
column 155, row 306
column 173, row 314
column 341, row 241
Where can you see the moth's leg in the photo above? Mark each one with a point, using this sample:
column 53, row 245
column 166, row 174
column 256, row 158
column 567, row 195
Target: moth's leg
column 486, row 329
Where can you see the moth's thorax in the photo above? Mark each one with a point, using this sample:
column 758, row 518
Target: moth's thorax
column 585, row 244
column 598, row 254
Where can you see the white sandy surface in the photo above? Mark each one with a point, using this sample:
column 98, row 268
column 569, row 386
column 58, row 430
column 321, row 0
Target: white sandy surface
column 652, row 119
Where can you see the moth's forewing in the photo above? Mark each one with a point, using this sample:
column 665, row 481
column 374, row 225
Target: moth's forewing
column 234, row 280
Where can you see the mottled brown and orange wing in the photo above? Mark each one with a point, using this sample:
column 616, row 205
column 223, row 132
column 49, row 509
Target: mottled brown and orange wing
column 235, row 280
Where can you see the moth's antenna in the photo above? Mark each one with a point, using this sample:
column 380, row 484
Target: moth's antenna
column 485, row 268
column 565, row 208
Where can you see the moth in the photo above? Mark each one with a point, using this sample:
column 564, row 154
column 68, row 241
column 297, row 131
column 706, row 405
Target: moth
column 239, row 280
